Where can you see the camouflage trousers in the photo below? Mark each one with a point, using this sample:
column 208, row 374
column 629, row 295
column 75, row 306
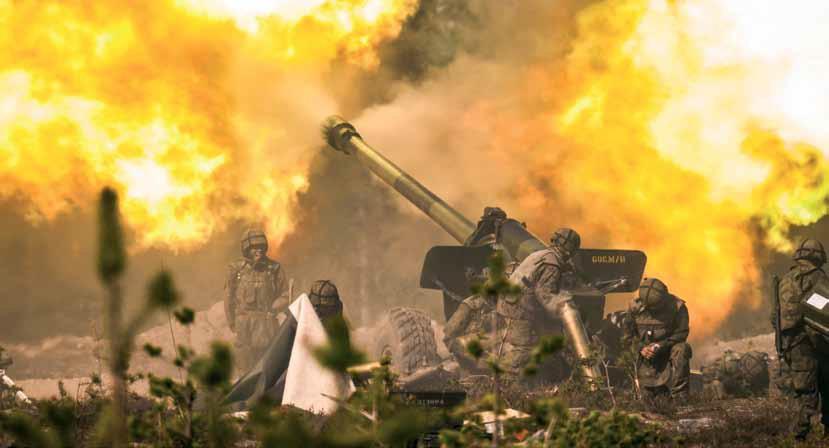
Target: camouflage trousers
column 668, row 373
column 254, row 332
column 514, row 357
column 808, row 377
column 468, row 365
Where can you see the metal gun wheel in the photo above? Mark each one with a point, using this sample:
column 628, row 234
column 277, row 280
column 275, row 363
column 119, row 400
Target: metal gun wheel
column 406, row 336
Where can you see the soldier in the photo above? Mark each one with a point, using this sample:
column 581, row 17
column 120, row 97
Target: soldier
column 255, row 292
column 267, row 378
column 472, row 319
column 326, row 300
column 540, row 275
column 799, row 343
column 658, row 325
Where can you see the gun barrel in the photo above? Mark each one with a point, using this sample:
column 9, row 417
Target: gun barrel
column 343, row 137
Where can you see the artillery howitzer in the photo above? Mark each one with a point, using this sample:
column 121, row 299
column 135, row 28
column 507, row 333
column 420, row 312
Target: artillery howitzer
column 447, row 268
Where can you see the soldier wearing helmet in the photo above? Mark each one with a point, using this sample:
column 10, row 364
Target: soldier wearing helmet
column 658, row 327
column 255, row 291
column 541, row 277
column 326, row 300
column 472, row 320
column 799, row 355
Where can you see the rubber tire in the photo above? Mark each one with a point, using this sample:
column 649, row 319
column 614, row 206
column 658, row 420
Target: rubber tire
column 406, row 335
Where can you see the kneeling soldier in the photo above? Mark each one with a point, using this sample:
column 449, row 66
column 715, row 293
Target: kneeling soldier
column 658, row 326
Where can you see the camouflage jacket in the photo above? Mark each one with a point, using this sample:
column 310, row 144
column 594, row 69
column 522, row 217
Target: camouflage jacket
column 541, row 273
column 667, row 325
column 540, row 276
column 473, row 316
column 254, row 288
column 792, row 290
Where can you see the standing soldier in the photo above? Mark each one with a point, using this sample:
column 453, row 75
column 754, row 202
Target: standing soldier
column 798, row 343
column 540, row 276
column 255, row 292
column 658, row 326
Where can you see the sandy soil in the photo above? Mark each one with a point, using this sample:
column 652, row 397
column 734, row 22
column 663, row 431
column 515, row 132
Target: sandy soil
column 71, row 359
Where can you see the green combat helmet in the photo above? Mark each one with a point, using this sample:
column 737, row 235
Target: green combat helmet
column 568, row 240
column 811, row 250
column 652, row 292
column 253, row 238
column 326, row 299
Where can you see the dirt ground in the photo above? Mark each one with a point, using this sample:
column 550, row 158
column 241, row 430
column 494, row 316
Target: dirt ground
column 71, row 359
column 699, row 423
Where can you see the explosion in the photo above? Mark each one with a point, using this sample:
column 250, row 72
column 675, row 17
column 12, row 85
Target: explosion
column 314, row 31
column 709, row 117
column 690, row 130
column 146, row 99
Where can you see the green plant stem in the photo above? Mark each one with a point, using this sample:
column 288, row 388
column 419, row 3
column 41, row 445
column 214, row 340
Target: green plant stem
column 496, row 392
column 175, row 346
column 118, row 430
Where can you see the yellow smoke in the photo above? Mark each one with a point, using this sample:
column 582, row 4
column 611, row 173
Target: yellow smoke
column 692, row 130
column 146, row 98
column 707, row 117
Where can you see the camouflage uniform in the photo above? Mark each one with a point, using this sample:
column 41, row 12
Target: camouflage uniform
column 473, row 318
column 801, row 360
column 255, row 291
column 519, row 317
column 659, row 317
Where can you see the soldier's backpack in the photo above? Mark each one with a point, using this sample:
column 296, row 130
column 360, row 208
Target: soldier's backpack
column 737, row 375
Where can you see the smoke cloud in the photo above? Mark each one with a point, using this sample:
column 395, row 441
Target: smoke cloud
column 559, row 112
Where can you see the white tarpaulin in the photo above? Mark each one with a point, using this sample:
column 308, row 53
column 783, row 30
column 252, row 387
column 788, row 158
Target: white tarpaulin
column 288, row 372
column 307, row 382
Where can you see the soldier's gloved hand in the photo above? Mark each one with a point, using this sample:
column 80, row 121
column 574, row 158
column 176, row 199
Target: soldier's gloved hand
column 649, row 351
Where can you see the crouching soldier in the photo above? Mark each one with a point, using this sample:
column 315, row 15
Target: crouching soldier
column 472, row 320
column 326, row 300
column 658, row 327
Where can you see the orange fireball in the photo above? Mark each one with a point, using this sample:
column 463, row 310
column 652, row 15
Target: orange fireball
column 149, row 98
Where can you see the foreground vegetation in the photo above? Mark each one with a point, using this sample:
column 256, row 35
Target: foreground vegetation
column 187, row 411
